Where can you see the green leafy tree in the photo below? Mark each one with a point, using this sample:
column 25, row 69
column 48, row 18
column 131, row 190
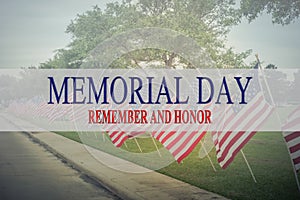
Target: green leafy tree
column 206, row 21
column 282, row 11
column 271, row 66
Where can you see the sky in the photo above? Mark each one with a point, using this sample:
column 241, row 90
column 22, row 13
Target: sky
column 32, row 30
column 274, row 43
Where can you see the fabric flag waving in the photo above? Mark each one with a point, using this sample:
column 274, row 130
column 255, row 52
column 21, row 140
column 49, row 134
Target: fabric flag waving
column 116, row 134
column 119, row 134
column 292, row 138
column 118, row 137
column 179, row 143
column 247, row 119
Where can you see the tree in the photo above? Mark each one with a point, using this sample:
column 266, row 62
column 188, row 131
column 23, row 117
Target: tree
column 282, row 11
column 271, row 66
column 278, row 84
column 206, row 21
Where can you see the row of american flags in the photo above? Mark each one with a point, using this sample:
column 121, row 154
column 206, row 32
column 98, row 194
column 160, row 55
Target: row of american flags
column 228, row 143
column 180, row 143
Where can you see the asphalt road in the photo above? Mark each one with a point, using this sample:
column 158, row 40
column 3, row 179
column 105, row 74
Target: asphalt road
column 28, row 171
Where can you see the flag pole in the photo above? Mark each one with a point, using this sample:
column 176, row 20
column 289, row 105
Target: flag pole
column 103, row 136
column 267, row 85
column 155, row 145
column 294, row 170
column 211, row 163
column 125, row 145
column 249, row 167
column 268, row 88
column 137, row 144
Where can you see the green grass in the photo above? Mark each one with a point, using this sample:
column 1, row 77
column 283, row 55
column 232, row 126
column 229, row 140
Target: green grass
column 266, row 153
column 71, row 135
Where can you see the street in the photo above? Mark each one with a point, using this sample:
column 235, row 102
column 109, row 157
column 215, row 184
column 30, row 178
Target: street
column 28, row 171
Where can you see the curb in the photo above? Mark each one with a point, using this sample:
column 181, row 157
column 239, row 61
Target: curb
column 78, row 168
column 148, row 186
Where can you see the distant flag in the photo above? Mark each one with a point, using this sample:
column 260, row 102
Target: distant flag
column 118, row 137
column 292, row 138
column 118, row 133
column 247, row 119
column 179, row 143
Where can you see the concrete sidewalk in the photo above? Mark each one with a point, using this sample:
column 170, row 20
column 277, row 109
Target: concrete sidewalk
column 151, row 185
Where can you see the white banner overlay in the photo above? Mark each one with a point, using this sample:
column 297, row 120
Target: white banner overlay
column 149, row 100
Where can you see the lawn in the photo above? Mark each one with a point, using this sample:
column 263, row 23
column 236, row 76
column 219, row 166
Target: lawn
column 266, row 153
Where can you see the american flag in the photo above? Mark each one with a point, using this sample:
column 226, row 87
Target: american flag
column 244, row 118
column 65, row 111
column 118, row 133
column 292, row 138
column 118, row 137
column 179, row 143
